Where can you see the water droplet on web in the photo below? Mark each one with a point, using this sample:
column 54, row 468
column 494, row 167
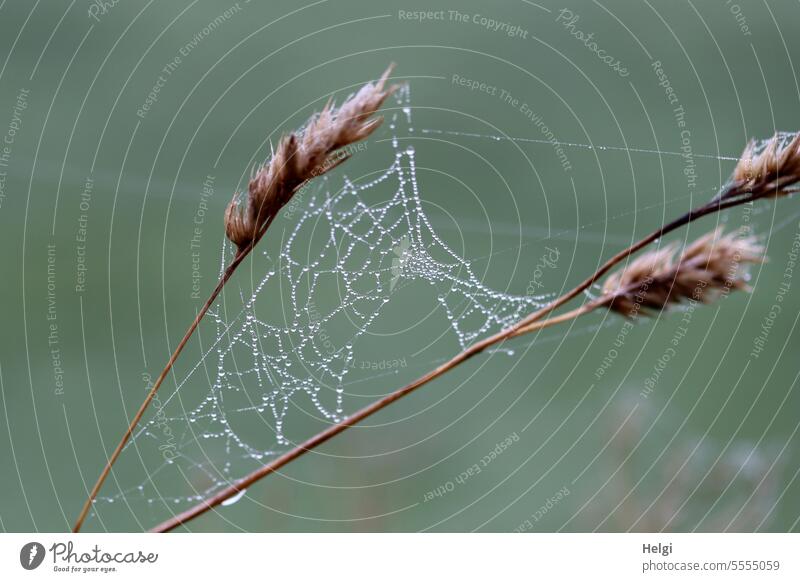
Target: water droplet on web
column 358, row 227
column 234, row 499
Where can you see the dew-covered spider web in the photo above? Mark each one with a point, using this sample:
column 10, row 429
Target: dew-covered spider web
column 280, row 350
column 345, row 252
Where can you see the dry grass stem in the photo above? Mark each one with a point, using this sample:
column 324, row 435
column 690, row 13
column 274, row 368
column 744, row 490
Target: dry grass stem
column 711, row 264
column 301, row 156
column 304, row 155
column 709, row 267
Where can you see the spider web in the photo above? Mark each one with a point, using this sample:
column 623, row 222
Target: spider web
column 346, row 254
column 275, row 376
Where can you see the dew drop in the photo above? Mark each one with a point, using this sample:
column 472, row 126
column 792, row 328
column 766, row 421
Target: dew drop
column 235, row 498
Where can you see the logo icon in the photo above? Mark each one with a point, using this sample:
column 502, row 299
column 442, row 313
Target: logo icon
column 31, row 555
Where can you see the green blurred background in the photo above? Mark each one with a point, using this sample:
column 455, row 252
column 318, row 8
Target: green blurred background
column 713, row 447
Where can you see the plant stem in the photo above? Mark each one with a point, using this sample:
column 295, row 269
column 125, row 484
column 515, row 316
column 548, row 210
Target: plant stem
column 335, row 429
column 691, row 216
column 323, row 139
column 569, row 315
column 734, row 197
column 227, row 274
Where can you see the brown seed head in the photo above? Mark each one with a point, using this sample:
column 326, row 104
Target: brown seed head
column 709, row 267
column 304, row 155
column 770, row 172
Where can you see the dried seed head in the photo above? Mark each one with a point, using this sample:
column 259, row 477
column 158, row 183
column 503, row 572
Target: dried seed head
column 709, row 267
column 235, row 226
column 304, row 155
column 769, row 172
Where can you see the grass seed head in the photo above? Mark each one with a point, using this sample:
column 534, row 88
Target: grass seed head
column 709, row 267
column 770, row 172
column 304, row 155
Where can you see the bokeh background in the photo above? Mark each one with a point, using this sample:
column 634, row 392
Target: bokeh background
column 712, row 447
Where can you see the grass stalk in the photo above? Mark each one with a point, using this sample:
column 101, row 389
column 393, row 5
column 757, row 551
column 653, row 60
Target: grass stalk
column 300, row 157
column 529, row 324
